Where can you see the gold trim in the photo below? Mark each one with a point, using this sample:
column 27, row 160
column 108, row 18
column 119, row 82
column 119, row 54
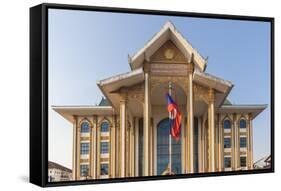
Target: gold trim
column 85, row 138
column 104, row 160
column 105, row 138
column 84, row 160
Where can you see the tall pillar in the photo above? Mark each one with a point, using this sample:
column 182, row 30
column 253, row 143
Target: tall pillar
column 203, row 144
column 237, row 143
column 91, row 153
column 132, row 149
column 112, row 147
column 151, row 147
column 74, row 149
column 250, row 143
column 234, row 143
column 94, row 138
column 98, row 149
column 211, row 133
column 220, row 143
column 146, row 117
column 78, row 152
column 123, row 125
column 127, row 149
column 136, row 146
column 200, row 150
column 183, row 146
column 190, row 117
column 217, row 142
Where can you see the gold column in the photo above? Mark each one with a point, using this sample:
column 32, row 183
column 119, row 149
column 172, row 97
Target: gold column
column 216, row 143
column 132, row 145
column 146, row 117
column 183, row 146
column 220, row 143
column 74, row 149
column 206, row 145
column 203, row 144
column 91, row 154
column 98, row 150
column 78, row 152
column 211, row 128
column 190, row 128
column 94, row 138
column 116, row 145
column 127, row 149
column 234, row 144
column 200, row 160
column 123, row 125
column 250, row 143
column 113, row 146
column 136, row 147
column 237, row 145
column 151, row 148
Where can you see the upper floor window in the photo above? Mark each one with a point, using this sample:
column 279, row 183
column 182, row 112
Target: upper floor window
column 84, row 170
column 104, row 169
column 84, row 148
column 242, row 123
column 227, row 142
column 227, row 124
column 85, row 127
column 227, row 162
column 104, row 127
column 243, row 142
column 243, row 162
column 104, row 147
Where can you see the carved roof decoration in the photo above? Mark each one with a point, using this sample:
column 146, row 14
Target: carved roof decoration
column 167, row 32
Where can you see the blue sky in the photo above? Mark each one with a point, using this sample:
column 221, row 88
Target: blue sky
column 85, row 47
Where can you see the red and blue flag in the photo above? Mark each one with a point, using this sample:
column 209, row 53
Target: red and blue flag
column 175, row 118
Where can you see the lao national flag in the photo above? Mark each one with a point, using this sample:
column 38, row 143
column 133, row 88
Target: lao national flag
column 175, row 117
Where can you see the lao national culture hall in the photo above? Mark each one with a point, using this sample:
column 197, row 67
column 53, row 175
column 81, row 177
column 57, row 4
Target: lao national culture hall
column 128, row 133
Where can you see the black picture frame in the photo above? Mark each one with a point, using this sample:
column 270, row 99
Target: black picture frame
column 39, row 92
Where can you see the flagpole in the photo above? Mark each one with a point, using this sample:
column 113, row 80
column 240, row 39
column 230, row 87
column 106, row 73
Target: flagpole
column 170, row 137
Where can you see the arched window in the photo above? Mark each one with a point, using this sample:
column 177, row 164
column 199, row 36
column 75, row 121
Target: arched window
column 163, row 129
column 227, row 124
column 242, row 124
column 104, row 127
column 85, row 127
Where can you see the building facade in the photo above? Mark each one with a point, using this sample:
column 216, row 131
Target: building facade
column 57, row 172
column 127, row 134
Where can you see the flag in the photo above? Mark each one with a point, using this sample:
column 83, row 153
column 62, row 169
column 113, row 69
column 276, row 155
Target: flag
column 175, row 118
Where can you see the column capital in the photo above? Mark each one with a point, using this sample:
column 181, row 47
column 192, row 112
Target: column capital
column 123, row 96
column 190, row 68
column 211, row 95
column 146, row 67
column 190, row 64
column 234, row 117
column 250, row 116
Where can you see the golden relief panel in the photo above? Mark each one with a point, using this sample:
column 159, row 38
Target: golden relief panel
column 168, row 53
column 135, row 92
column 201, row 93
column 168, row 60
column 180, row 81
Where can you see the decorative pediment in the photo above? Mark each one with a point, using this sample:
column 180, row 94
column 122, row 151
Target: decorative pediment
column 167, row 35
column 168, row 53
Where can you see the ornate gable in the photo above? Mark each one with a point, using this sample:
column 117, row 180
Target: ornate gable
column 168, row 53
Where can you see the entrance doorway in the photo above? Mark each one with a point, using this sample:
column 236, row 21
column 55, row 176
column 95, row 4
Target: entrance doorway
column 163, row 130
